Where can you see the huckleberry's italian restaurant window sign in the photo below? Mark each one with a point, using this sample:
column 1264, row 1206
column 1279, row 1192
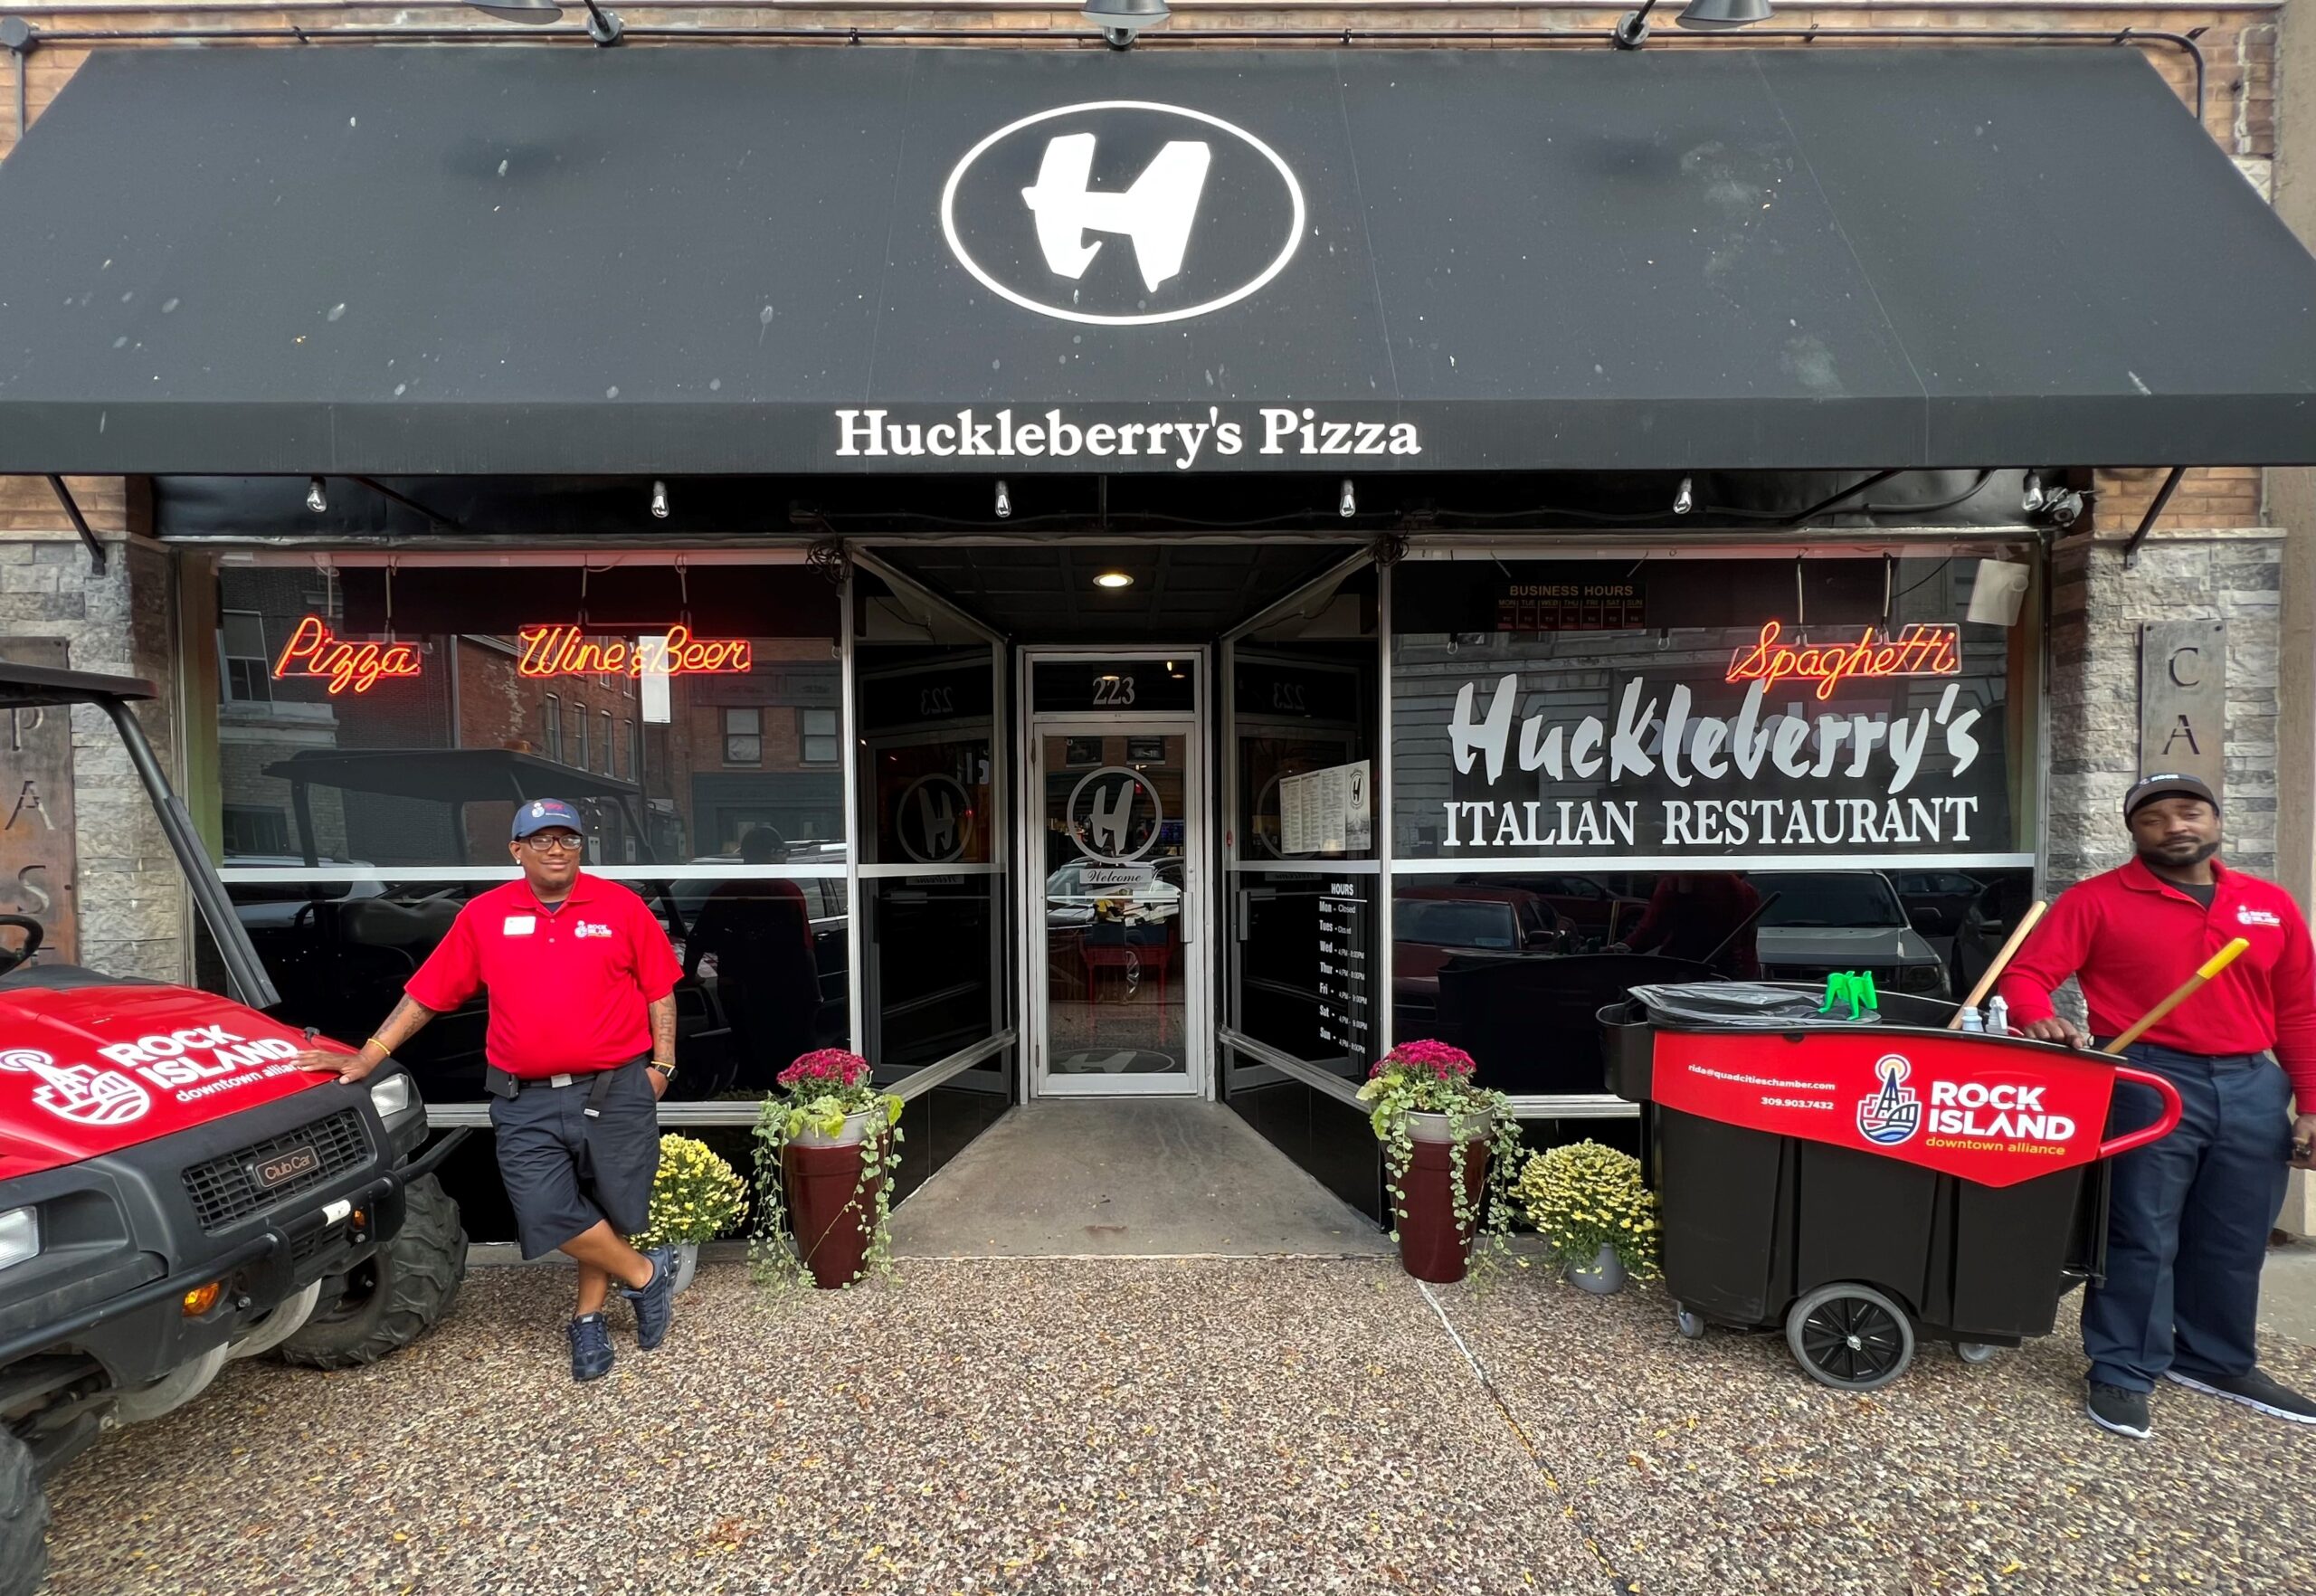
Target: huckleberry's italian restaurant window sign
column 1763, row 709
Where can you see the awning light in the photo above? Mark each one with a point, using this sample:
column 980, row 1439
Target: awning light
column 603, row 27
column 1121, row 21
column 658, row 501
column 1004, row 501
column 1701, row 16
column 316, row 497
column 1113, row 579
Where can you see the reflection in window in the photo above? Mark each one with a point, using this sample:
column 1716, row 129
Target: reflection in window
column 252, row 829
column 425, row 769
column 817, row 731
column 744, row 737
column 766, row 972
column 248, row 674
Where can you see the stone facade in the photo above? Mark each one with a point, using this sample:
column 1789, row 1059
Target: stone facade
column 2098, row 607
column 132, row 896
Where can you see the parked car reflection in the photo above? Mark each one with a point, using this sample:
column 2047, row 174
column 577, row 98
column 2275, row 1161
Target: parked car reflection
column 1936, row 900
column 1824, row 921
column 1432, row 924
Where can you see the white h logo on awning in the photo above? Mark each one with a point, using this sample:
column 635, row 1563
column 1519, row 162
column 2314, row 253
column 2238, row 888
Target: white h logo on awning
column 1155, row 214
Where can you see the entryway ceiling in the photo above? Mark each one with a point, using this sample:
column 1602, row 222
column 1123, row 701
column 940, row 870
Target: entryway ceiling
column 1187, row 593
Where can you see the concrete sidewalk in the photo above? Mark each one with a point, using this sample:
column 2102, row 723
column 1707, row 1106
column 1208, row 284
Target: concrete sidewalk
column 1257, row 1425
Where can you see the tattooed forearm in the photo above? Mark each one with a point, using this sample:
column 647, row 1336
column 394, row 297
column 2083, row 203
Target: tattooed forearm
column 409, row 1018
column 663, row 1030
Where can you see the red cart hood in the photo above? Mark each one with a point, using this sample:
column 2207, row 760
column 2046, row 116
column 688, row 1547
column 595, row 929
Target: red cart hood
column 90, row 1069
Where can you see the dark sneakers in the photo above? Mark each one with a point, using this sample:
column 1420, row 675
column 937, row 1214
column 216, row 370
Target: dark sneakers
column 655, row 1304
column 2255, row 1391
column 2121, row 1409
column 590, row 1348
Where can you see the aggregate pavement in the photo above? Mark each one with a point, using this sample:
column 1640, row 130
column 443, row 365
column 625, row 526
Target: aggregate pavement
column 1127, row 1425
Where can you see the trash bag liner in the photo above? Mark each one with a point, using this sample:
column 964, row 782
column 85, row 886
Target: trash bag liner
column 1743, row 1005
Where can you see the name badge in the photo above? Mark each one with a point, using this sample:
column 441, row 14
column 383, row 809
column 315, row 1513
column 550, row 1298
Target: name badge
column 520, row 924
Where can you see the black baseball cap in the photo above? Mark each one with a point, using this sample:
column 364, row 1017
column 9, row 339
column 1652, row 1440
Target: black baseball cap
column 2167, row 784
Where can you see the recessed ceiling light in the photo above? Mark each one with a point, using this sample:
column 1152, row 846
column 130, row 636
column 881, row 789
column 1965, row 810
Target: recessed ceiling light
column 1113, row 579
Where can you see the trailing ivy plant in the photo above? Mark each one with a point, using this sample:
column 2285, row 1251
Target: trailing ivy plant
column 824, row 1089
column 1432, row 1078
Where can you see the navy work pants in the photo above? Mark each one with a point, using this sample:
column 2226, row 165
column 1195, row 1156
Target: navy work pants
column 2189, row 1227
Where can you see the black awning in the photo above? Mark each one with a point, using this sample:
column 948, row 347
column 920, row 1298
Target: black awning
column 419, row 261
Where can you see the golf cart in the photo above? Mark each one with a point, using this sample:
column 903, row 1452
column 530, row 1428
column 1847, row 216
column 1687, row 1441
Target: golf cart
column 175, row 1193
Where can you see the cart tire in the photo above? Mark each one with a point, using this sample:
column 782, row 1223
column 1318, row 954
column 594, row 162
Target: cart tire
column 1850, row 1337
column 1690, row 1325
column 398, row 1294
column 24, row 1520
column 1975, row 1352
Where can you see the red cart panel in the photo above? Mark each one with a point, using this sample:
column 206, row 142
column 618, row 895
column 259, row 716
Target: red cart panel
column 1994, row 1110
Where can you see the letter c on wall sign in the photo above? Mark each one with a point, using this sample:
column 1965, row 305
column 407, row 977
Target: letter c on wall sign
column 2186, row 666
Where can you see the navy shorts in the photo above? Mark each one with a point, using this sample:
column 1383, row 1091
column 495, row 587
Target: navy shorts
column 565, row 1173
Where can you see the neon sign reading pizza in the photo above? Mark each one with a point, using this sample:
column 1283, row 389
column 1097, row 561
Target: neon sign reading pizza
column 313, row 651
column 1923, row 648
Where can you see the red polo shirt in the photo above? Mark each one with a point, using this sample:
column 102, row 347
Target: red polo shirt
column 569, row 986
column 2131, row 939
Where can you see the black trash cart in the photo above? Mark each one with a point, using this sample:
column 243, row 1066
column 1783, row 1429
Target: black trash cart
column 1863, row 1186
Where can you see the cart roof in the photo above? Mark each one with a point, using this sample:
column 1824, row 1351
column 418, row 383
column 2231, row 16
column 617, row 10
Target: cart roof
column 27, row 687
column 447, row 775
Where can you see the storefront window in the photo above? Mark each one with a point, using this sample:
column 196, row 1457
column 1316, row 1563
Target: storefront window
column 927, row 755
column 1302, row 844
column 1612, row 772
column 376, row 728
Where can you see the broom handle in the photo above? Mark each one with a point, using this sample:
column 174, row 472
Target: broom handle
column 2187, row 989
column 2001, row 960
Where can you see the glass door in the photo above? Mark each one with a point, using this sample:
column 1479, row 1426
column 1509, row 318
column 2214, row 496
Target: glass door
column 1117, row 945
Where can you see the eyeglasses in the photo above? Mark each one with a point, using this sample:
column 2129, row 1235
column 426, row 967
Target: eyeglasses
column 554, row 842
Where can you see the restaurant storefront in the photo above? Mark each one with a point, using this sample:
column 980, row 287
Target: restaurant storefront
column 1157, row 574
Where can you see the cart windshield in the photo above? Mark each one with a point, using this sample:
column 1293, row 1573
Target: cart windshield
column 1819, row 900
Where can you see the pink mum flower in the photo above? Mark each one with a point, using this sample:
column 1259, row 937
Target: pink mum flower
column 829, row 1066
column 1426, row 1058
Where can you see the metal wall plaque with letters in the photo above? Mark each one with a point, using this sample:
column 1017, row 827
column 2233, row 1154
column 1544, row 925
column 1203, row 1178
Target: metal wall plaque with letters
column 2183, row 699
column 38, row 863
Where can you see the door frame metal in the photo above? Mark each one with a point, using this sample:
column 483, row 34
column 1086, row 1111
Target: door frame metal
column 1199, row 871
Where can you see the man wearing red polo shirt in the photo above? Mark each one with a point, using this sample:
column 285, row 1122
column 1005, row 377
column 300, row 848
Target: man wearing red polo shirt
column 582, row 984
column 2188, row 1227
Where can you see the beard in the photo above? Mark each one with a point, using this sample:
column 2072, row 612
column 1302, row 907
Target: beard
column 2178, row 854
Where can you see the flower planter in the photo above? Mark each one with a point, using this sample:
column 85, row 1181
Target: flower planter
column 686, row 1265
column 1432, row 1246
column 1603, row 1275
column 831, row 1207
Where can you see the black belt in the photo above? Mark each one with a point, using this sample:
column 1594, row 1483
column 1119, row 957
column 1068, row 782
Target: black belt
column 500, row 1084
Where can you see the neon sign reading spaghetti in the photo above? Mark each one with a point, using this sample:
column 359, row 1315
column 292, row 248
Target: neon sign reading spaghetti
column 1922, row 649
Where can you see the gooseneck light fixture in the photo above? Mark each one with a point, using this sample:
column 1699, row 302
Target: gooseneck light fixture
column 1702, row 16
column 1122, row 20
column 603, row 27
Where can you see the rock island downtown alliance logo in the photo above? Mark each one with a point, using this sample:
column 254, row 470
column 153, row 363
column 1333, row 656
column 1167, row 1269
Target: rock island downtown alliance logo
column 1893, row 1115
